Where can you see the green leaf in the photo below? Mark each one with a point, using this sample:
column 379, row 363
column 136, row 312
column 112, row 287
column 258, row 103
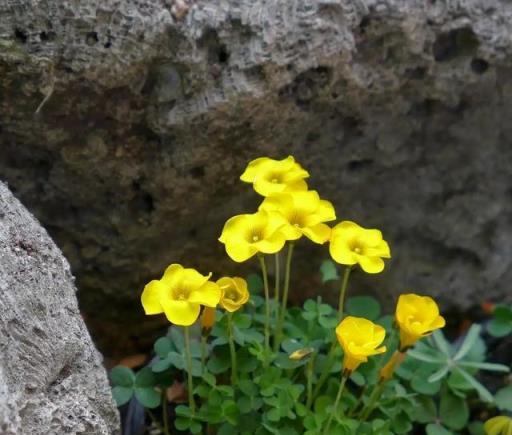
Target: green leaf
column 485, row 366
column 503, row 312
column 469, row 342
column 499, row 327
column 122, row 376
column 231, row 412
column 145, row 378
column 483, row 392
column 161, row 365
column 423, row 386
column 441, row 343
column 503, row 399
column 439, row 374
column 122, row 395
column 358, row 379
column 329, row 271
column 218, row 364
column 437, row 429
column 426, row 412
column 254, row 282
column 454, row 411
column 148, row 397
column 363, row 306
column 177, row 338
column 476, row 428
column 163, row 346
column 425, row 357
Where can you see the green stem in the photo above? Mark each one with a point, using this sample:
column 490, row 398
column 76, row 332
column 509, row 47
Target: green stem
column 190, row 386
column 309, row 378
column 232, row 350
column 267, row 307
column 343, row 291
column 279, row 330
column 377, row 391
column 344, row 378
column 277, row 296
column 164, row 412
column 203, row 352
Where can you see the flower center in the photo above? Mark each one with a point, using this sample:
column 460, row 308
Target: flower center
column 358, row 250
column 275, row 180
column 232, row 295
column 255, row 238
column 179, row 294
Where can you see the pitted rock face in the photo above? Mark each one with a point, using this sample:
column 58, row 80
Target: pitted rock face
column 399, row 109
column 51, row 377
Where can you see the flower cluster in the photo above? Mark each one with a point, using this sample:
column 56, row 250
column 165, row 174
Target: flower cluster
column 181, row 292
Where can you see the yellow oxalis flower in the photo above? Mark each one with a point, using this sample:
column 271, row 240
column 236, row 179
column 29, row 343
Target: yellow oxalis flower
column 234, row 293
column 499, row 425
column 352, row 244
column 304, row 212
column 273, row 176
column 359, row 338
column 417, row 316
column 179, row 294
column 247, row 234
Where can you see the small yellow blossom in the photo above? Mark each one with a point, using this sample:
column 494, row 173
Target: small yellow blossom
column 304, row 212
column 247, row 234
column 416, row 316
column 499, row 425
column 300, row 354
column 234, row 293
column 352, row 244
column 359, row 338
column 207, row 320
column 273, row 176
column 179, row 294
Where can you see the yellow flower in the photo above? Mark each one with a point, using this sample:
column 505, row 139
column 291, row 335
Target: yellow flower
column 273, row 176
column 359, row 338
column 179, row 294
column 500, row 425
column 304, row 212
column 246, row 234
column 234, row 293
column 300, row 354
column 417, row 316
column 352, row 244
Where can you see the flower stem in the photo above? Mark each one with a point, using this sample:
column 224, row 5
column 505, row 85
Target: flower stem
column 190, row 386
column 279, row 330
column 165, row 414
column 203, row 352
column 232, row 350
column 377, row 391
column 277, row 296
column 309, row 379
column 344, row 378
column 330, row 356
column 343, row 291
column 267, row 307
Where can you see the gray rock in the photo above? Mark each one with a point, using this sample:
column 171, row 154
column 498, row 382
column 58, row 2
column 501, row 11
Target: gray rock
column 400, row 109
column 51, row 377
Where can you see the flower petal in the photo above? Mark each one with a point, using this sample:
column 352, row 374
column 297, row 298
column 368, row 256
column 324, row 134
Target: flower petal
column 181, row 313
column 172, row 275
column 340, row 251
column 151, row 296
column 272, row 244
column 235, row 227
column 240, row 251
column 254, row 167
column 208, row 295
column 370, row 264
column 319, row 233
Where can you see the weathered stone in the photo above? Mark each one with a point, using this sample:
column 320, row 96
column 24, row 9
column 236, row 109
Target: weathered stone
column 399, row 108
column 51, row 378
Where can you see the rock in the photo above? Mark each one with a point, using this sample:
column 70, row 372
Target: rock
column 51, row 377
column 399, row 109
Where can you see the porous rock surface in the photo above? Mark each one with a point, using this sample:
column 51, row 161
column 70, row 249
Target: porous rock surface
column 400, row 109
column 51, row 378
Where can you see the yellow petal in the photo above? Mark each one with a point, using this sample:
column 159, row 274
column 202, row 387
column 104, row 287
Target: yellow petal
column 240, row 251
column 208, row 295
column 181, row 313
column 235, row 227
column 340, row 251
column 319, row 233
column 272, row 244
column 498, row 425
column 254, row 167
column 151, row 295
column 370, row 264
column 191, row 279
column 296, row 186
column 172, row 275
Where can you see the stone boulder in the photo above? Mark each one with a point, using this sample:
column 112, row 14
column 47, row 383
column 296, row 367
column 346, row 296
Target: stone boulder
column 126, row 124
column 52, row 381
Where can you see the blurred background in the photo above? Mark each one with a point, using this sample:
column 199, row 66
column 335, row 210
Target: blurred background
column 125, row 127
